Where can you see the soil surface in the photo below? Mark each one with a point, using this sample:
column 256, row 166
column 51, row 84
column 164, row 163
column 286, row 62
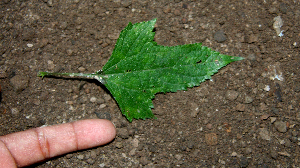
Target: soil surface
column 247, row 115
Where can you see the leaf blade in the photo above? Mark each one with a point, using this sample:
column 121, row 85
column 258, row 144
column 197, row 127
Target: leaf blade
column 135, row 75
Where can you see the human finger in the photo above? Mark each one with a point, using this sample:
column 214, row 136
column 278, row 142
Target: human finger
column 38, row 144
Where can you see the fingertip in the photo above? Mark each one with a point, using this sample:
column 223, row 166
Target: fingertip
column 110, row 129
column 94, row 132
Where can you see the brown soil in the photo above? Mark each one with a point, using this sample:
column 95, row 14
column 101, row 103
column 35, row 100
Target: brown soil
column 247, row 115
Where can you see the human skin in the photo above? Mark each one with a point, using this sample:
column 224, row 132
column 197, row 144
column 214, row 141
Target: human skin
column 35, row 145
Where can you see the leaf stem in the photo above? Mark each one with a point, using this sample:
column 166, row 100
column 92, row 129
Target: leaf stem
column 97, row 76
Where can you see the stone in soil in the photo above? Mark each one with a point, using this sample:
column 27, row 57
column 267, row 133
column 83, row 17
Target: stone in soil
column 123, row 133
column 93, row 99
column 178, row 156
column 80, row 157
column 90, row 161
column 220, row 36
column 273, row 154
column 15, row 111
column 119, row 145
column 103, row 115
column 135, row 143
column 240, row 107
column 211, row 139
column 19, row 82
column 144, row 161
column 231, row 95
column 280, row 126
column 248, row 99
column 264, row 134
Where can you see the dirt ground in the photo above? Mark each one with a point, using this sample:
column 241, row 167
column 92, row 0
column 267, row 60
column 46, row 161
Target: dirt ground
column 247, row 115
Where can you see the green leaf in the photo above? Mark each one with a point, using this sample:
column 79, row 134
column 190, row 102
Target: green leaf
column 139, row 68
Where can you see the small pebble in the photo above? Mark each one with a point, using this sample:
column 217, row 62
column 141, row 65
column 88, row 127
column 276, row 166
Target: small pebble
column 248, row 150
column 195, row 112
column 240, row 107
column 102, row 106
column 267, row 88
column 264, row 134
column 135, row 142
column 167, row 9
column 248, row 99
column 190, row 144
column 178, row 156
column 231, row 95
column 144, row 160
column 264, row 117
column 81, row 69
column 280, row 126
column 79, row 20
column 69, row 156
column 80, row 157
column 284, row 154
column 123, row 133
column 132, row 152
column 114, row 36
column 36, row 102
column 63, row 25
column 250, row 83
column 93, row 154
column 272, row 10
column 90, row 161
column 287, row 143
column 107, row 97
column 103, row 115
column 28, row 34
column 253, row 38
column 294, row 139
column 234, row 154
column 209, row 126
column 177, row 12
column 15, row 111
column 100, row 100
column 263, row 107
column 93, row 99
column 125, row 4
column 69, row 52
column 50, row 3
column 211, row 139
column 294, row 133
column 19, row 82
column 273, row 154
column 220, row 36
column 119, row 145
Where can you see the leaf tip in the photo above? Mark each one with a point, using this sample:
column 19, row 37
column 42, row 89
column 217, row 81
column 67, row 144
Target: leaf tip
column 238, row 58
